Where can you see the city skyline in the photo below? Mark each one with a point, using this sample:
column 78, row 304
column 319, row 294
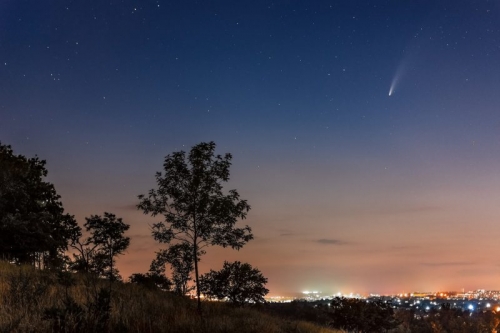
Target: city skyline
column 365, row 134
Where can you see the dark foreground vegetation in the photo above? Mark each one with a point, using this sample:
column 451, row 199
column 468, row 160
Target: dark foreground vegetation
column 33, row 300
column 357, row 315
column 42, row 301
column 189, row 199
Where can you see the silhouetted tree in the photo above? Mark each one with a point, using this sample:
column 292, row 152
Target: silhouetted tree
column 239, row 283
column 181, row 260
column 33, row 226
column 196, row 212
column 96, row 253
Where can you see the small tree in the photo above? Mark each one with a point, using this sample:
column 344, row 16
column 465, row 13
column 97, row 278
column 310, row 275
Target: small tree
column 181, row 260
column 194, row 208
column 96, row 254
column 239, row 283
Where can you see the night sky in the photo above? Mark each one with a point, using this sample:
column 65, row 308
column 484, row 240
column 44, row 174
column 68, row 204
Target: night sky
column 365, row 134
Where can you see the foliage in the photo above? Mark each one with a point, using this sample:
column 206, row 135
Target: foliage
column 96, row 253
column 239, row 283
column 195, row 210
column 26, row 287
column 355, row 315
column 358, row 315
column 447, row 319
column 33, row 226
column 349, row 314
column 68, row 315
column 151, row 280
column 181, row 259
column 315, row 312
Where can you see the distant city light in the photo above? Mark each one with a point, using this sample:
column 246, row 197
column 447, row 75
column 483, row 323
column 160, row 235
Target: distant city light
column 472, row 301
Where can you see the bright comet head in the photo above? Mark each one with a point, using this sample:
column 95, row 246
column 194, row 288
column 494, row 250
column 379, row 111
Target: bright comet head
column 393, row 85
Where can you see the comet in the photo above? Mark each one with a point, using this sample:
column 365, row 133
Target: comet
column 391, row 89
column 400, row 71
column 395, row 80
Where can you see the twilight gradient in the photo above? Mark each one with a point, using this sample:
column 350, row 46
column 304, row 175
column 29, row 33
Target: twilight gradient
column 351, row 190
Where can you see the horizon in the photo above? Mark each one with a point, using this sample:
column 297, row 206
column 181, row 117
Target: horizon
column 365, row 293
column 364, row 134
column 354, row 294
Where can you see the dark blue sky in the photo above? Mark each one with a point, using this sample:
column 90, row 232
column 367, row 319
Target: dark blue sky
column 344, row 180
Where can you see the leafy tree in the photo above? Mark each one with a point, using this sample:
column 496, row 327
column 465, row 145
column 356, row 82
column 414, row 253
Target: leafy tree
column 195, row 210
column 239, row 283
column 181, row 259
column 33, row 226
column 96, row 253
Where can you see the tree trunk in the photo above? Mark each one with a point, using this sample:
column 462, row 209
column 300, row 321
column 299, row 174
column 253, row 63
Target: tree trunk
column 195, row 248
column 110, row 270
column 198, row 294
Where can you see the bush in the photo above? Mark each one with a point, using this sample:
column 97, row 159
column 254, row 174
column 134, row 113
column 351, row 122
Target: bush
column 239, row 283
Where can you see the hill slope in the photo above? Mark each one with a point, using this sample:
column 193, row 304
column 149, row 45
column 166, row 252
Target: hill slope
column 38, row 301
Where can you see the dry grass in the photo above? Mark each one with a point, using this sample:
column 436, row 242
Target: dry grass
column 26, row 294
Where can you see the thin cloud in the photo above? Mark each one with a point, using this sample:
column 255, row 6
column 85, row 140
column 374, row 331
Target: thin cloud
column 129, row 207
column 287, row 232
column 327, row 241
column 411, row 209
column 448, row 263
column 406, row 247
column 261, row 240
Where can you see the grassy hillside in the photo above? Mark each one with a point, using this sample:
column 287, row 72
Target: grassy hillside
column 35, row 301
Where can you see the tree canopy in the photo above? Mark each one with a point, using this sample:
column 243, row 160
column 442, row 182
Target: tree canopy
column 96, row 253
column 33, row 226
column 237, row 282
column 195, row 210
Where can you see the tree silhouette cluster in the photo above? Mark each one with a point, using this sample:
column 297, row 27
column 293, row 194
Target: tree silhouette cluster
column 96, row 253
column 196, row 213
column 35, row 230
